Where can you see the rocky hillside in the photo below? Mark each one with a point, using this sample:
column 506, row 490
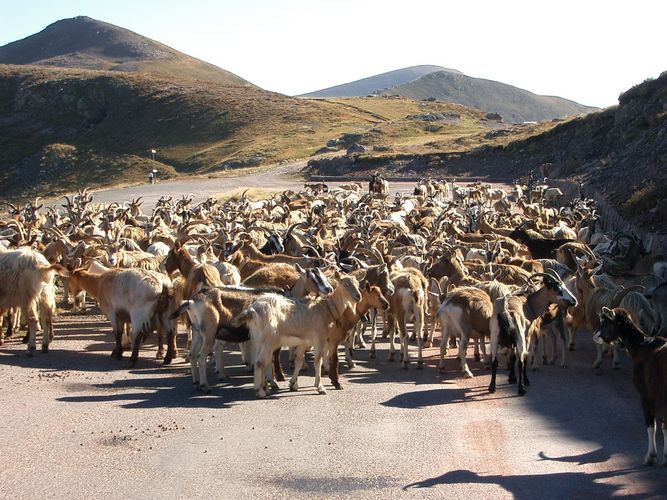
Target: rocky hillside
column 372, row 84
column 619, row 153
column 515, row 105
column 85, row 43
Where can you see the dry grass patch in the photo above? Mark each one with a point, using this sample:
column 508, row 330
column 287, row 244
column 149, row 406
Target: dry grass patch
column 253, row 194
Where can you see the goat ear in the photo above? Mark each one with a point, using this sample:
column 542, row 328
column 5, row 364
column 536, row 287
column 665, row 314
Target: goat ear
column 366, row 285
column 299, row 268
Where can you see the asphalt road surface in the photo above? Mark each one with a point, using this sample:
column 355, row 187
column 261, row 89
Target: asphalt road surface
column 79, row 424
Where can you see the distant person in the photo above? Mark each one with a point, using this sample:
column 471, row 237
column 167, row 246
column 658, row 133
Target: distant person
column 151, row 178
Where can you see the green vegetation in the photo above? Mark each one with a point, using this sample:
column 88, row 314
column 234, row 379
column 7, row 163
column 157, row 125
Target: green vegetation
column 644, row 199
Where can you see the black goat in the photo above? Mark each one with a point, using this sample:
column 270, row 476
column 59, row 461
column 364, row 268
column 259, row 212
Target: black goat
column 540, row 248
column 649, row 374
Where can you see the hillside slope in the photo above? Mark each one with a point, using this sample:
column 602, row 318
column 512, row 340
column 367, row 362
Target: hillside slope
column 515, row 105
column 365, row 86
column 60, row 129
column 621, row 153
column 86, row 43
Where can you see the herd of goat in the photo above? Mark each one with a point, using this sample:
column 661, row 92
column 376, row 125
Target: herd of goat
column 314, row 269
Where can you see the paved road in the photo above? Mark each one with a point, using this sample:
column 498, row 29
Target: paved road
column 279, row 178
column 77, row 424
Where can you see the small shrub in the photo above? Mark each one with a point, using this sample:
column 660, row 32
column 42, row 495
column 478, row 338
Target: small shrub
column 644, row 199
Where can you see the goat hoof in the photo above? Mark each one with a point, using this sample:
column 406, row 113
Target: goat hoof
column 371, row 355
column 522, row 391
column 596, row 364
column 492, row 389
column 159, row 355
column 391, row 356
column 31, row 351
column 167, row 360
column 205, row 389
column 413, row 337
column 351, row 364
column 131, row 364
column 511, row 381
column 45, row 349
column 527, row 382
column 616, row 365
column 337, row 386
column 468, row 374
column 405, row 365
column 441, row 368
column 478, row 358
column 24, row 340
column 321, row 390
column 570, row 347
column 650, row 460
column 280, row 377
column 223, row 376
column 261, row 394
column 361, row 345
column 420, row 365
column 428, row 344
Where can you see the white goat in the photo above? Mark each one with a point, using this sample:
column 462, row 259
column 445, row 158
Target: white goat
column 137, row 296
column 25, row 274
column 275, row 321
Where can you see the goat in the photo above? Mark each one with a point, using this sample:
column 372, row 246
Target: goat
column 511, row 319
column 343, row 330
column 543, row 248
column 649, row 373
column 212, row 312
column 274, row 320
column 25, row 273
column 465, row 311
column 135, row 295
column 408, row 303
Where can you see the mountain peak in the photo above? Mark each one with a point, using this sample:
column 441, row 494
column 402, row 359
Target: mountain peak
column 84, row 42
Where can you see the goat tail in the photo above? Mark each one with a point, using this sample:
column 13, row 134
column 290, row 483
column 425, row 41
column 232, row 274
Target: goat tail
column 185, row 305
column 508, row 328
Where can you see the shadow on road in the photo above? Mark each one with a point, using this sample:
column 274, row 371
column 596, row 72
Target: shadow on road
column 530, row 486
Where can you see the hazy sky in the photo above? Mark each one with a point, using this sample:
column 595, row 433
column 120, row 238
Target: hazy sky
column 587, row 51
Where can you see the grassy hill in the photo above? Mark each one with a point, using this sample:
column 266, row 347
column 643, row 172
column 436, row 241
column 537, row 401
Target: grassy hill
column 366, row 86
column 86, row 43
column 426, row 82
column 62, row 128
column 515, row 105
column 66, row 128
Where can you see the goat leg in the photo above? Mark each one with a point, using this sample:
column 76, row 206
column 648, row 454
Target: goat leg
column 278, row 373
column 511, row 366
column 333, row 366
column 494, row 369
column 522, row 369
